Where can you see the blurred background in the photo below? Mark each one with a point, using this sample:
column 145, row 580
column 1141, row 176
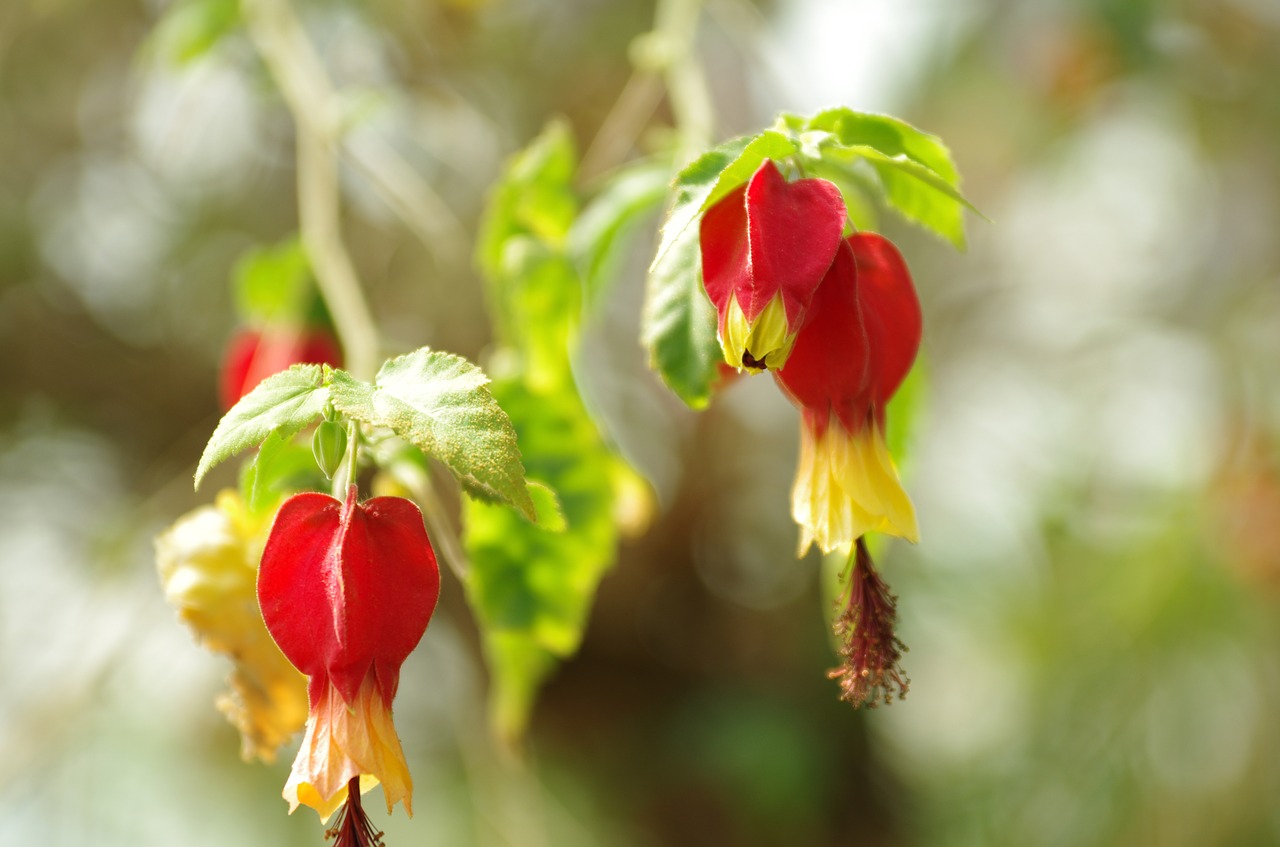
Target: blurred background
column 1092, row 614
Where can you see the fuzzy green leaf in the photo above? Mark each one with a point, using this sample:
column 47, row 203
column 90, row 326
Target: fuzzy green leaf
column 531, row 586
column 527, row 218
column 284, row 402
column 713, row 175
column 441, row 404
column 679, row 323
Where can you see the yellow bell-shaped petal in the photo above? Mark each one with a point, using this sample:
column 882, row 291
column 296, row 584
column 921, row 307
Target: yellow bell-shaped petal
column 847, row 485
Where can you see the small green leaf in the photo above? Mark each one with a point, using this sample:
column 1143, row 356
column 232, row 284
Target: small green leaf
column 598, row 237
column 441, row 404
column 281, row 466
column 191, row 28
column 920, row 179
column 547, row 504
column 713, row 175
column 532, row 204
column 679, row 323
column 273, row 284
column 890, row 136
column 285, row 402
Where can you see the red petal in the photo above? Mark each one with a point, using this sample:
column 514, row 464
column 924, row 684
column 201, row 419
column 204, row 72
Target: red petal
column 723, row 239
column 828, row 368
column 890, row 312
column 770, row 235
column 346, row 587
column 795, row 228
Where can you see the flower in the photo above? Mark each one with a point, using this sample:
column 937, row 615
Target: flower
column 347, row 590
column 208, row 562
column 765, row 247
column 870, row 672
column 255, row 354
column 856, row 347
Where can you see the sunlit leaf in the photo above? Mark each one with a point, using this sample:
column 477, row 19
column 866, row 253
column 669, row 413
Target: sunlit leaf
column 920, row 179
column 284, row 403
column 531, row 208
column 679, row 323
column 441, row 404
column 532, row 587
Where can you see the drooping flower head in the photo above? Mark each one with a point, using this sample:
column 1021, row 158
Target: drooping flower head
column 858, row 344
column 208, row 564
column 765, row 247
column 347, row 590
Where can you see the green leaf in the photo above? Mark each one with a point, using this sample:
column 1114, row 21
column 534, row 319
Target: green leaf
column 533, row 203
column 544, row 290
column 920, row 179
column 285, row 402
column 713, row 175
column 598, row 238
column 679, row 323
column 518, row 667
column 280, row 466
column 191, row 29
column 441, row 404
column 273, row 284
column 550, row 514
column 532, row 588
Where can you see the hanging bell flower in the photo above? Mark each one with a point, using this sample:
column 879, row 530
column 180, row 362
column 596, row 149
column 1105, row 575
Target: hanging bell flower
column 765, row 248
column 857, row 346
column 346, row 590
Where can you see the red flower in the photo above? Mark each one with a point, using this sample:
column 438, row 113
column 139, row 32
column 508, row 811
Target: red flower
column 255, row 354
column 765, row 248
column 857, row 346
column 347, row 590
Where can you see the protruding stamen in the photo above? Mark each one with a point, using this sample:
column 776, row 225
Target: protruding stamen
column 870, row 673
column 353, row 827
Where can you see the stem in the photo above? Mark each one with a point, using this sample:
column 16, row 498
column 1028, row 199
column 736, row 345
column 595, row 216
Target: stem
column 298, row 72
column 353, row 456
column 620, row 128
column 676, row 22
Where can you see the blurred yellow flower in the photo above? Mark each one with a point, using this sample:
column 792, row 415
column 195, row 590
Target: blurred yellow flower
column 208, row 563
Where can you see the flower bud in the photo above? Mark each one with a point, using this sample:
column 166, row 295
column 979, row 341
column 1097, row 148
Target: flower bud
column 329, row 446
column 765, row 248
